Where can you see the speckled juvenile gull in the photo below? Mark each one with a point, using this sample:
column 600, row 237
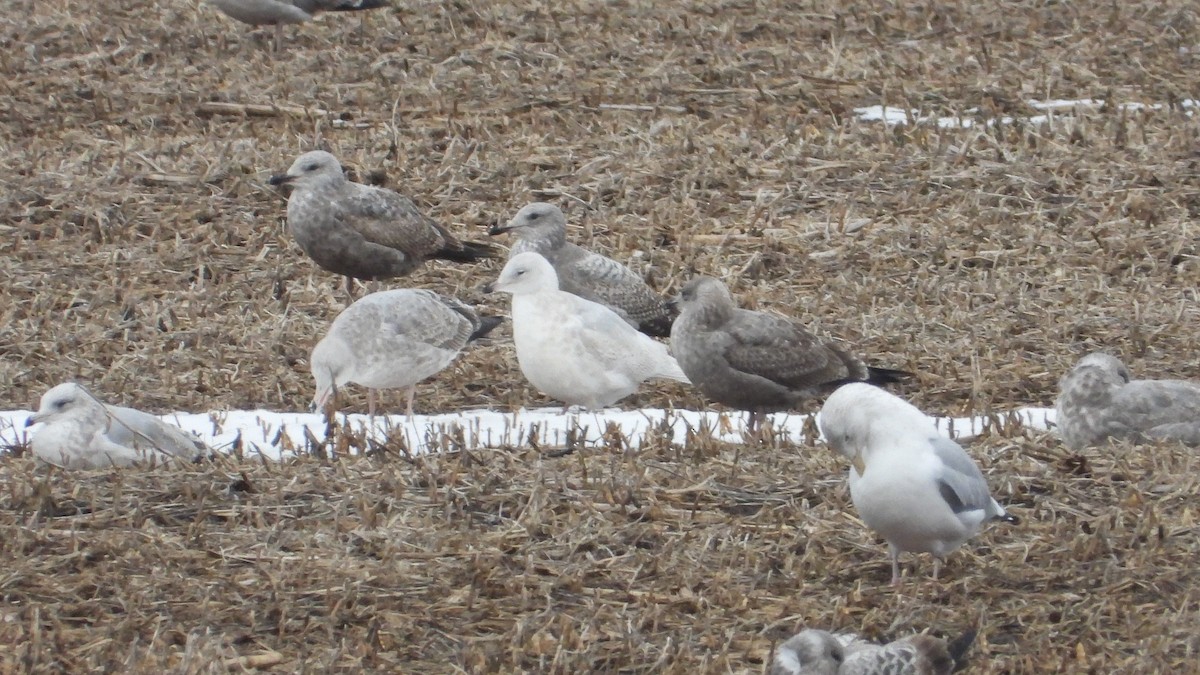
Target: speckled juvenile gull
column 575, row 350
column 542, row 228
column 757, row 361
column 279, row 12
column 914, row 655
column 1098, row 401
column 81, row 432
column 918, row 489
column 393, row 339
column 362, row 231
column 809, row 652
column 818, row 652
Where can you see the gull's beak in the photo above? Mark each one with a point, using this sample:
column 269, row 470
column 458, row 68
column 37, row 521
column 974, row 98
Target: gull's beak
column 33, row 419
column 859, row 465
column 500, row 229
column 322, row 398
column 672, row 304
column 489, row 287
column 281, row 179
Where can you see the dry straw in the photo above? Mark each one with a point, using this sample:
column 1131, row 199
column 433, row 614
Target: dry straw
column 145, row 256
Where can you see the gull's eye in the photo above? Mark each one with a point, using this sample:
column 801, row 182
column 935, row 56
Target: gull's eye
column 521, row 271
column 61, row 403
column 311, row 167
column 535, row 215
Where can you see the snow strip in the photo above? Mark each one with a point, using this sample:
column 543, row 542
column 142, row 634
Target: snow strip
column 276, row 434
column 894, row 116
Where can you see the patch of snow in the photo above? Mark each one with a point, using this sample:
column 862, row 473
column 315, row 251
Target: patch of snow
column 893, row 116
column 274, row 434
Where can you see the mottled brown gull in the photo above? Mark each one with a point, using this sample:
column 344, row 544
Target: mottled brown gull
column 1098, row 402
column 575, row 350
column 918, row 489
column 542, row 228
column 757, row 361
column 362, row 231
column 818, row 652
column 81, row 432
column 393, row 339
column 279, row 12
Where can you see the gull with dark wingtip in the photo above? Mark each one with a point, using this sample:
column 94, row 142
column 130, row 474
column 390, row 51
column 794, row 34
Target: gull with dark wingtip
column 542, row 228
column 757, row 361
column 361, row 231
column 279, row 12
column 918, row 489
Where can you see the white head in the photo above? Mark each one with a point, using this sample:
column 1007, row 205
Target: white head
column 858, row 416
column 328, row 366
column 527, row 272
column 538, row 220
column 809, row 652
column 312, row 169
column 68, row 401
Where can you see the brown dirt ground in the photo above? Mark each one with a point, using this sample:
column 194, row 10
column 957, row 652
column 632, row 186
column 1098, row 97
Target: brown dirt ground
column 145, row 256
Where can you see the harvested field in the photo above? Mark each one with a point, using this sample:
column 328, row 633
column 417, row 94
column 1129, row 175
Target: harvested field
column 145, row 256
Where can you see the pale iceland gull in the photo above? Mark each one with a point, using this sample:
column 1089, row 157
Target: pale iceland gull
column 575, row 350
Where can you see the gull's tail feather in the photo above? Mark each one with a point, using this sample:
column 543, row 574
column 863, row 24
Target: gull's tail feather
column 873, row 375
column 659, row 326
column 885, row 375
column 358, row 5
column 467, row 251
column 486, row 325
column 958, row 648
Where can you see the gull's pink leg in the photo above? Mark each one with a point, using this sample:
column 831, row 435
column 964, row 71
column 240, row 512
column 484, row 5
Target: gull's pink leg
column 412, row 392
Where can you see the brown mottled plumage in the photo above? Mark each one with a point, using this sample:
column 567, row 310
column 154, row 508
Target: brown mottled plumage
column 542, row 228
column 757, row 361
column 362, row 231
